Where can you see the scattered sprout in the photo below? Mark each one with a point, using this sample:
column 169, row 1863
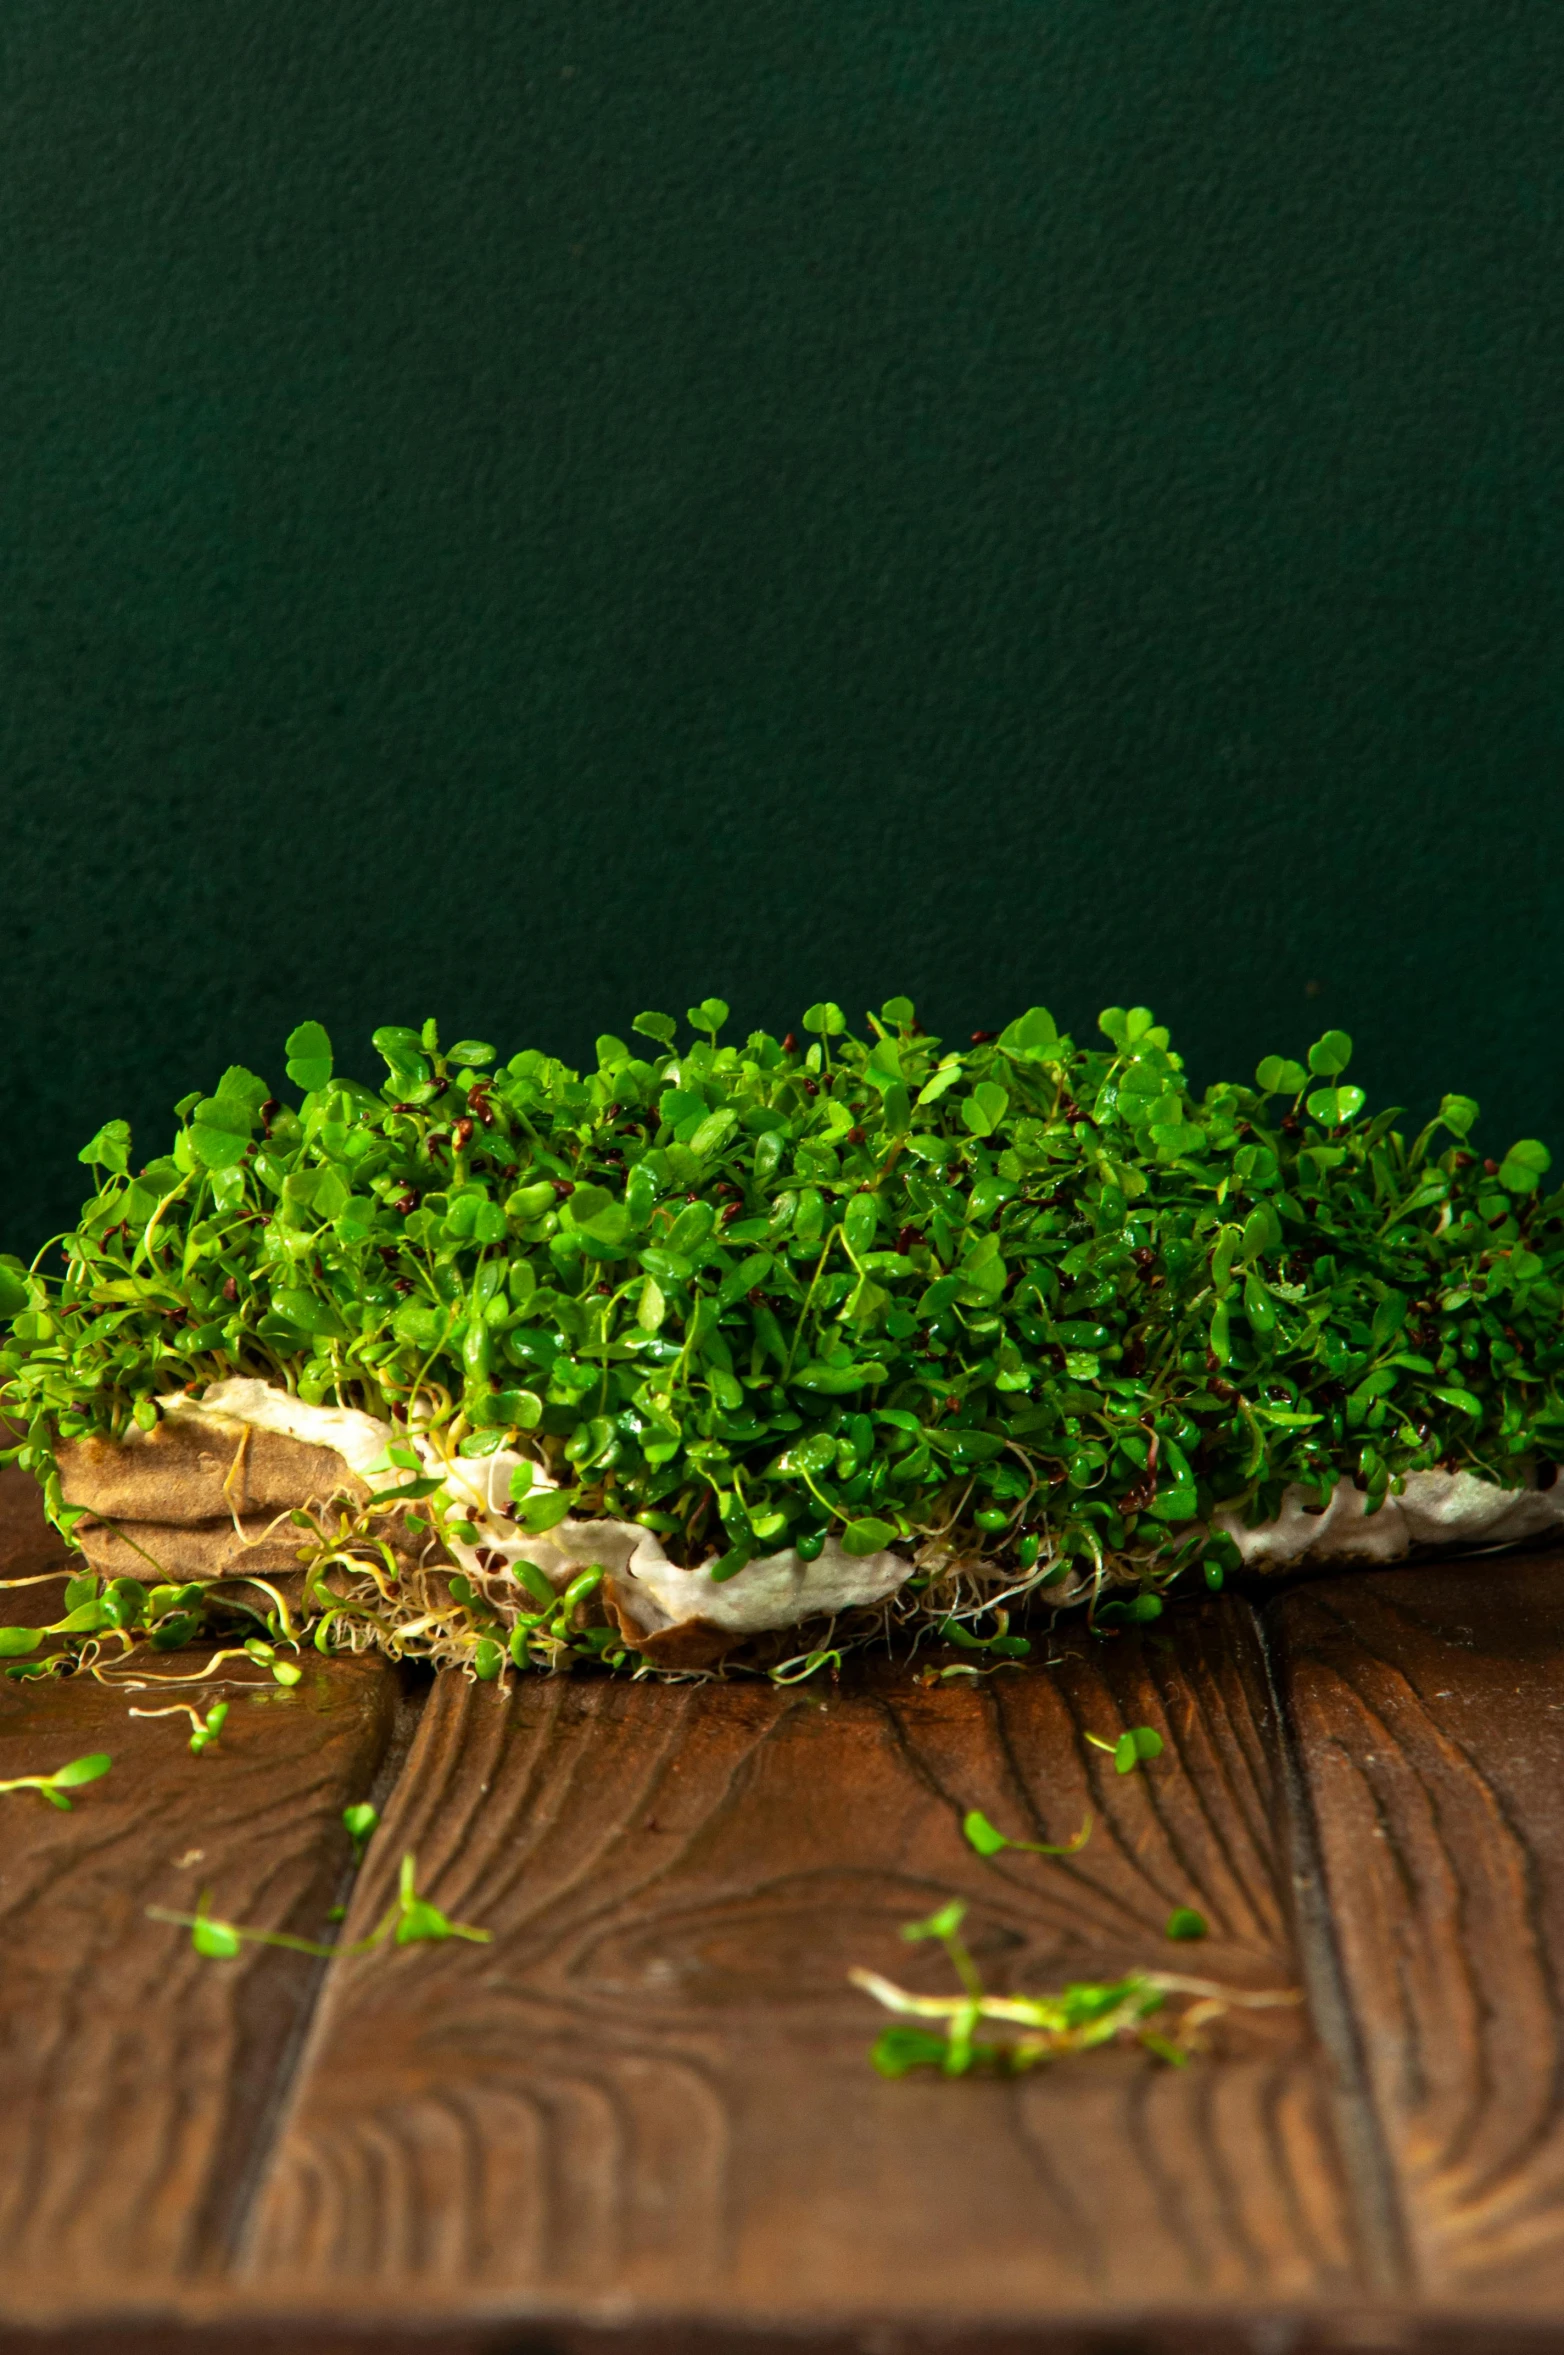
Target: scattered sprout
column 409, row 1920
column 360, row 1822
column 205, row 1730
column 70, row 1777
column 1133, row 1747
column 1039, row 2027
column 989, row 1841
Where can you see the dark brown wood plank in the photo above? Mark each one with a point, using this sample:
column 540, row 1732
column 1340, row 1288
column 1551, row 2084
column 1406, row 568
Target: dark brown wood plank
column 29, row 1548
column 136, row 2079
column 1429, row 1707
column 651, row 2092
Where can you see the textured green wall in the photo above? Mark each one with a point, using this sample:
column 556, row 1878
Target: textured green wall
column 530, row 508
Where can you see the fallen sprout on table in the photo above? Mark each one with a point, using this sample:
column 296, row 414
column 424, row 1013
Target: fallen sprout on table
column 53, row 1787
column 205, row 1730
column 1040, row 2028
column 989, row 1841
column 1134, row 1747
column 1047, row 2027
column 409, row 1920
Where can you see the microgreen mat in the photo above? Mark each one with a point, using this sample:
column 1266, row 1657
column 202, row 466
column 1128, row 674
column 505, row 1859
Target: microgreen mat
column 1022, row 1301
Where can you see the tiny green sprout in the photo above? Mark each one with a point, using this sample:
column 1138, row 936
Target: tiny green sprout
column 944, row 1924
column 205, row 1735
column 360, row 1822
column 988, row 1840
column 1133, row 1747
column 70, row 1777
column 203, row 1730
column 1001, row 1643
column 1185, row 1922
column 1039, row 2028
column 408, row 1920
column 218, row 1940
column 417, row 1919
column 805, row 1665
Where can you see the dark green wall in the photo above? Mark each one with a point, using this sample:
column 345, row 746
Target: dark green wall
column 534, row 508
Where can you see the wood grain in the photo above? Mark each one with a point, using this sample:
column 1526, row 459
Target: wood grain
column 653, row 2087
column 1429, row 1709
column 135, row 2078
column 29, row 1548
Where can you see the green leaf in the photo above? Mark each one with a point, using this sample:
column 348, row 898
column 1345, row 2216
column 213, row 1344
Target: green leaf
column 360, row 1821
column 710, row 1015
column 216, row 1939
column 1459, row 1114
column 867, row 1536
column 943, row 1924
column 897, row 2050
column 581, row 1207
column 220, row 1133
column 837, row 1380
column 1330, row 1055
column 310, row 1313
column 826, row 1019
column 713, row 1132
column 1452, row 1395
column 883, row 1069
column 981, row 1834
column 110, row 1148
column 86, row 1619
column 1525, row 1166
column 1185, row 1922
column 14, row 1295
column 15, row 1642
column 404, row 1055
column 1389, row 1317
column 985, row 1108
column 1135, row 1746
column 81, row 1770
column 661, row 1027
column 544, row 1512
column 239, row 1086
column 1032, row 1033
column 944, row 1079
column 1333, row 1106
column 309, row 1064
column 1277, row 1076
column 469, row 1053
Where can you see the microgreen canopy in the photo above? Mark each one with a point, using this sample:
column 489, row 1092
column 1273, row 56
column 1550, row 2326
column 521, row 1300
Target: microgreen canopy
column 1038, row 1298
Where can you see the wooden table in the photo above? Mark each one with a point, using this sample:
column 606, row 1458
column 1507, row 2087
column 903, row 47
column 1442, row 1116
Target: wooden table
column 642, row 2118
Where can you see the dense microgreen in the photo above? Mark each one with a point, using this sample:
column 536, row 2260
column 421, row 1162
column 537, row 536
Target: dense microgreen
column 1026, row 1301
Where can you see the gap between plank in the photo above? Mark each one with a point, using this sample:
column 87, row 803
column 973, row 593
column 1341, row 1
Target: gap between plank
column 1365, row 2152
column 237, row 2202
